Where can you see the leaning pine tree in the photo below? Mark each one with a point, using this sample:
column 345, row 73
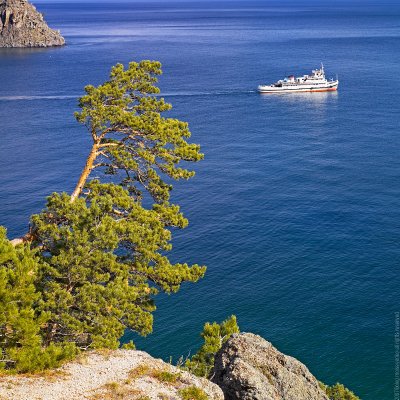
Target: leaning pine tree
column 101, row 251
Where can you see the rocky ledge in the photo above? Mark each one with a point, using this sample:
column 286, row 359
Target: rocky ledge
column 246, row 368
column 249, row 368
column 21, row 25
column 119, row 374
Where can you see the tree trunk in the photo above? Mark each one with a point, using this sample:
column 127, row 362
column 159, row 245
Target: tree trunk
column 30, row 236
column 86, row 172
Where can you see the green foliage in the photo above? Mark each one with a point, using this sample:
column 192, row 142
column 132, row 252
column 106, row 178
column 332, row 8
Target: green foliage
column 166, row 376
column 214, row 336
column 134, row 141
column 99, row 257
column 139, row 371
column 339, row 392
column 21, row 321
column 192, row 393
column 101, row 270
column 104, row 253
column 129, row 346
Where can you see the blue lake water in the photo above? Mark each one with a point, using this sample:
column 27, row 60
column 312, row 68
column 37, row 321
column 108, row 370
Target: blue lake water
column 295, row 209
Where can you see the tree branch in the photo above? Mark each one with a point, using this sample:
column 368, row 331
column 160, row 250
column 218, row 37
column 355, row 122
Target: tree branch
column 29, row 237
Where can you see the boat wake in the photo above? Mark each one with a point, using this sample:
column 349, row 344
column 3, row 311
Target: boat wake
column 208, row 93
column 166, row 94
column 30, row 98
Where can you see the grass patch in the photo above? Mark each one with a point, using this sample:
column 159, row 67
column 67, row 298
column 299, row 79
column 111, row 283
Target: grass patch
column 106, row 353
column 165, row 376
column 161, row 375
column 139, row 371
column 82, row 358
column 118, row 391
column 192, row 393
column 50, row 375
column 113, row 386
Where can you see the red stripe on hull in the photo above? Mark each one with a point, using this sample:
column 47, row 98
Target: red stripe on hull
column 324, row 90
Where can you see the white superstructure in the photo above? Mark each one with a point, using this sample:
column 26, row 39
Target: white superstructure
column 316, row 82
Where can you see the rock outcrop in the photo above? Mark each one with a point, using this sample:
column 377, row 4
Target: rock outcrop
column 119, row 374
column 250, row 368
column 21, row 25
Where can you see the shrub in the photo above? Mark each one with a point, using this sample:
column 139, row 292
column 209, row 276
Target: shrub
column 339, row 392
column 22, row 323
column 166, row 376
column 192, row 393
column 214, row 336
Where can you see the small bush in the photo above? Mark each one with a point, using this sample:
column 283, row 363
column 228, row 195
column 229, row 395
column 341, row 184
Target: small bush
column 139, row 371
column 37, row 359
column 129, row 346
column 192, row 393
column 214, row 335
column 165, row 376
column 339, row 392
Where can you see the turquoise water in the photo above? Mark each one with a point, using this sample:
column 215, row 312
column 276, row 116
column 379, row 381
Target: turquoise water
column 295, row 209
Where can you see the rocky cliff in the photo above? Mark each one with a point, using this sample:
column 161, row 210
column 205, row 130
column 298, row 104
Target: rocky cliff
column 21, row 25
column 249, row 368
column 246, row 368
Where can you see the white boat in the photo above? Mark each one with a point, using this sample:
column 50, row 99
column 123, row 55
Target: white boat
column 316, row 82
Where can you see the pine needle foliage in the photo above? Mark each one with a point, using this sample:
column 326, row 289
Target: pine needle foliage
column 21, row 343
column 339, row 392
column 214, row 336
column 97, row 258
column 102, row 270
column 131, row 137
column 104, row 247
column 192, row 393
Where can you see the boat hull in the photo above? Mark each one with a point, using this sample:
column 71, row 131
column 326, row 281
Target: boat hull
column 331, row 87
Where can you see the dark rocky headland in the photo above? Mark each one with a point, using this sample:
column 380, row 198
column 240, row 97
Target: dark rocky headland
column 21, row 25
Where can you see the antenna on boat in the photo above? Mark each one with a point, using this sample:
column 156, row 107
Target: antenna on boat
column 322, row 67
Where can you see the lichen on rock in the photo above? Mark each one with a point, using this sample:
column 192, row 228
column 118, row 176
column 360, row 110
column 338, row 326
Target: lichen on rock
column 21, row 25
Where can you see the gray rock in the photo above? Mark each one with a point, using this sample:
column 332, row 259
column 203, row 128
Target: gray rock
column 21, row 25
column 250, row 368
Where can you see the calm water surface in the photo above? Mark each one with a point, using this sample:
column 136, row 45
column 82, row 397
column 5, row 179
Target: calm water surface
column 296, row 208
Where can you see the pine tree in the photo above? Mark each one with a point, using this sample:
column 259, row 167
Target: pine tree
column 21, row 342
column 104, row 247
column 214, row 336
column 93, row 261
